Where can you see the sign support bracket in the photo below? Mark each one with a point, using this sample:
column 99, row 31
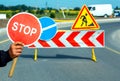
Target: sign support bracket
column 35, row 54
column 93, row 55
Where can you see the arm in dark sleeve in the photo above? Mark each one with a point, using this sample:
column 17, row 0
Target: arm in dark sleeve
column 4, row 58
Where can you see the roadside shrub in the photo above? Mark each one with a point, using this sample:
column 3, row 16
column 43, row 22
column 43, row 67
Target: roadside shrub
column 52, row 15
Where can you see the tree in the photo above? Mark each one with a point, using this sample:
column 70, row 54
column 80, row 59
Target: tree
column 77, row 8
column 2, row 7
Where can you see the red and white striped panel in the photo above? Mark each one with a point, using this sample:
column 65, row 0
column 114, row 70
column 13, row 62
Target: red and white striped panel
column 68, row 39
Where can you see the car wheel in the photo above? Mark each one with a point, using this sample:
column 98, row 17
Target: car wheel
column 105, row 16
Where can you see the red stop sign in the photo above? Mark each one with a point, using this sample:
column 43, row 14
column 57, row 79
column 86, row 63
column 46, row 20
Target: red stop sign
column 24, row 27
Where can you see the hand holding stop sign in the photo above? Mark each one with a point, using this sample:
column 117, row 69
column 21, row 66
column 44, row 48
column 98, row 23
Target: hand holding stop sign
column 24, row 28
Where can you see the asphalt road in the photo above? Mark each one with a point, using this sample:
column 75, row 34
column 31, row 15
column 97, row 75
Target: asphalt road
column 73, row 64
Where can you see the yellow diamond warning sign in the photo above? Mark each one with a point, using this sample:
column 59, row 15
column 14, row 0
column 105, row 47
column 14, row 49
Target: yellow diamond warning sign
column 85, row 20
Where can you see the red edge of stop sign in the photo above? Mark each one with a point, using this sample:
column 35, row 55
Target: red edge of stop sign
column 19, row 28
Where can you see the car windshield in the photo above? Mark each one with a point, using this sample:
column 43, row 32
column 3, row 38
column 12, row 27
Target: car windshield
column 89, row 8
